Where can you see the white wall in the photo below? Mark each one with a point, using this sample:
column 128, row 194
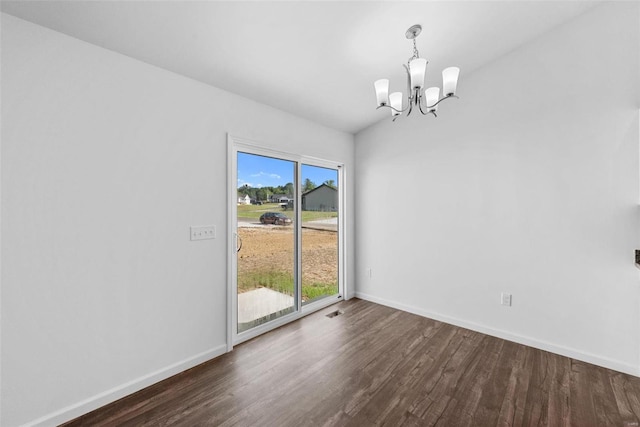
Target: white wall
column 106, row 162
column 529, row 185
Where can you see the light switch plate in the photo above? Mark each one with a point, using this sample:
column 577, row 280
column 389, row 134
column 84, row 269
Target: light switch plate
column 203, row 232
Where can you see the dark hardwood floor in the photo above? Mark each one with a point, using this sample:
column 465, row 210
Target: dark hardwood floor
column 373, row 365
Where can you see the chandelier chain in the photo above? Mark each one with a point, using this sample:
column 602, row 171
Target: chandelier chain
column 415, row 50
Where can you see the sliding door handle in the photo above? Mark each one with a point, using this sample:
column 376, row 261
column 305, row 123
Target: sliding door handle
column 238, row 240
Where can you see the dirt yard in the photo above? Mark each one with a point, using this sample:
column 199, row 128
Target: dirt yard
column 271, row 248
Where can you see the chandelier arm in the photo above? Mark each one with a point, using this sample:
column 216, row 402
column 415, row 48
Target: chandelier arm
column 425, row 103
column 414, row 100
column 428, row 112
column 394, row 109
column 420, row 107
column 442, row 99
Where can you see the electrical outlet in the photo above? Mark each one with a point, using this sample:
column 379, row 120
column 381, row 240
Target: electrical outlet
column 369, row 273
column 203, row 232
column 506, row 299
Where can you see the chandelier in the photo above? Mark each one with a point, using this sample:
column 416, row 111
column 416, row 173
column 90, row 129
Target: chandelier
column 426, row 101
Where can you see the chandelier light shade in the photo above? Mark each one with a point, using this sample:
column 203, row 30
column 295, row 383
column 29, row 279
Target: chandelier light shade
column 426, row 101
column 450, row 80
column 433, row 95
column 396, row 103
column 382, row 91
column 418, row 68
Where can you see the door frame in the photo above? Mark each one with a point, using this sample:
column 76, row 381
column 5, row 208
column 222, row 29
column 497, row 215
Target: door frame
column 235, row 144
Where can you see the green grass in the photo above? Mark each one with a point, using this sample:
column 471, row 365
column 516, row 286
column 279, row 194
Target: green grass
column 254, row 212
column 313, row 215
column 277, row 280
column 316, row 290
column 283, row 282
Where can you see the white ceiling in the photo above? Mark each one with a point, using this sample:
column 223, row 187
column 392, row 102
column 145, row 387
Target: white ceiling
column 317, row 60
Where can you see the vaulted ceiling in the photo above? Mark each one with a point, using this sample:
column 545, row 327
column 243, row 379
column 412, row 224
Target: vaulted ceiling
column 318, row 59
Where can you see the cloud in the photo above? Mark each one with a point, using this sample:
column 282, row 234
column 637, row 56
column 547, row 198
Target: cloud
column 263, row 174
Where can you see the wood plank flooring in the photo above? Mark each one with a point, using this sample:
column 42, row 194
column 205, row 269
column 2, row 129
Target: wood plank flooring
column 373, row 365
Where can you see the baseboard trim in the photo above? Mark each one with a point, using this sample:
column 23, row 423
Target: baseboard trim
column 73, row 411
column 605, row 362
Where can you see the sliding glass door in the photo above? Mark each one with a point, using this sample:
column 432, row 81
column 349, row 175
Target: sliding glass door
column 319, row 210
column 266, row 231
column 285, row 220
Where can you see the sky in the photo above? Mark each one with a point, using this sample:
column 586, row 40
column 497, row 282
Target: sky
column 259, row 171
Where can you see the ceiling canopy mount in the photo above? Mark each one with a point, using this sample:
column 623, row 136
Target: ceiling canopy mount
column 413, row 31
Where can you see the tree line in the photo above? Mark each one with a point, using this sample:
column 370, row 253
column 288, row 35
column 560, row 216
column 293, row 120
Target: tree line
column 264, row 193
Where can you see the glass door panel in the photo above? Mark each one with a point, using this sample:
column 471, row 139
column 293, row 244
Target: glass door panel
column 266, row 255
column 319, row 204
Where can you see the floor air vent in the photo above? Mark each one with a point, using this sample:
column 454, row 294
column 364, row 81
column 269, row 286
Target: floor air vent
column 334, row 314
